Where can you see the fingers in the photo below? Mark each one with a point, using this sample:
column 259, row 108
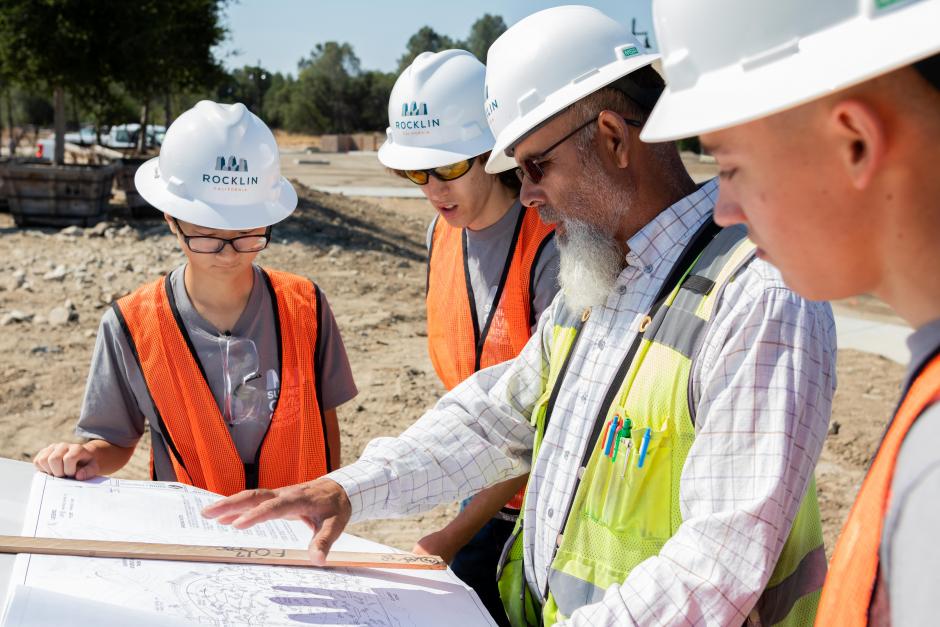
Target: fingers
column 76, row 456
column 323, row 540
column 62, row 459
column 228, row 509
column 89, row 470
column 271, row 509
column 41, row 460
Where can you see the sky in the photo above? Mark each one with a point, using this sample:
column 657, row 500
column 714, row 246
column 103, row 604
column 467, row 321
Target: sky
column 279, row 32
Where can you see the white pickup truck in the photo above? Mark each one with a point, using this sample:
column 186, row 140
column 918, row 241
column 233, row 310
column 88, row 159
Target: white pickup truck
column 120, row 136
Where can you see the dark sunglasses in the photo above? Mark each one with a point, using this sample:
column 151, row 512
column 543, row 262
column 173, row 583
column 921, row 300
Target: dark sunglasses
column 532, row 166
column 207, row 244
column 444, row 173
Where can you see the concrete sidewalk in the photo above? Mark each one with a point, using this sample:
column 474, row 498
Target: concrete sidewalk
column 372, row 192
column 871, row 336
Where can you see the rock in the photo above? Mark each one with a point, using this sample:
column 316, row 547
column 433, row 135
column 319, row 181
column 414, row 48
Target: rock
column 19, row 274
column 12, row 282
column 60, row 316
column 91, row 333
column 834, row 427
column 71, row 231
column 57, row 274
column 99, row 229
column 15, row 317
column 42, row 349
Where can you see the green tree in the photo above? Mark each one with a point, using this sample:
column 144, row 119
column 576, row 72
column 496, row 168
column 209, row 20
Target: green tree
column 425, row 40
column 327, row 89
column 167, row 47
column 483, row 33
column 58, row 46
column 247, row 85
column 375, row 88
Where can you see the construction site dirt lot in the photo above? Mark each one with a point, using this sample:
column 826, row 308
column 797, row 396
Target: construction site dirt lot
column 368, row 255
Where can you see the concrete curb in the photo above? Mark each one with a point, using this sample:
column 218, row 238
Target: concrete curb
column 870, row 336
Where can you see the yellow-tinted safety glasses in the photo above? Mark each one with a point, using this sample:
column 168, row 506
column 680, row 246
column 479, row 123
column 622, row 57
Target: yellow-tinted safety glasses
column 443, row 173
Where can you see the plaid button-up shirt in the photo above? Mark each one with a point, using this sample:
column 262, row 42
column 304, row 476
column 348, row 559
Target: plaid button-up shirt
column 762, row 383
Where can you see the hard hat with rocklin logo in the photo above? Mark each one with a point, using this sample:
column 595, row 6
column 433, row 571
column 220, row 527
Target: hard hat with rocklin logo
column 218, row 168
column 728, row 62
column 435, row 113
column 548, row 61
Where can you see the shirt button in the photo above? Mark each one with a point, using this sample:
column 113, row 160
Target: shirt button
column 584, row 396
column 622, row 290
column 566, row 455
column 648, row 268
column 551, row 512
column 601, row 344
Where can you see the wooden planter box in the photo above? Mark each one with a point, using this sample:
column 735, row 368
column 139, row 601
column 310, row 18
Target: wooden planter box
column 47, row 195
column 124, row 181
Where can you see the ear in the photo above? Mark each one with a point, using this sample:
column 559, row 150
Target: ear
column 169, row 222
column 614, row 137
column 862, row 139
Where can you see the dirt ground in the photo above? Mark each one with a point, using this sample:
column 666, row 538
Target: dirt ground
column 368, row 256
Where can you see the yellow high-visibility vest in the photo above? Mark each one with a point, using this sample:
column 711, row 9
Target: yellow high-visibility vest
column 624, row 509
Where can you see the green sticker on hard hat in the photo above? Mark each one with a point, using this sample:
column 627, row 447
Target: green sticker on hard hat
column 881, row 5
column 631, row 51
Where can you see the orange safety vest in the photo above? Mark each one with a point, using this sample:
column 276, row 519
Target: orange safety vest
column 456, row 342
column 202, row 452
column 853, row 571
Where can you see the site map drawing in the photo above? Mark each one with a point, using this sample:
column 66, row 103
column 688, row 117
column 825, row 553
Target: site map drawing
column 220, row 594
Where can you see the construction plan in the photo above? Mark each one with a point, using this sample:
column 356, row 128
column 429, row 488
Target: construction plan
column 118, row 590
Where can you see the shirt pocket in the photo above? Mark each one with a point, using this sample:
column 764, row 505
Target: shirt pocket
column 628, row 499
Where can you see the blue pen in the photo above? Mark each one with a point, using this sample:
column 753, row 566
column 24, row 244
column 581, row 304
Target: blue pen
column 612, row 430
column 645, row 445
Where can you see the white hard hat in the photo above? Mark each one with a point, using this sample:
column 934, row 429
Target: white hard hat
column 218, row 168
column 732, row 61
column 435, row 113
column 548, row 61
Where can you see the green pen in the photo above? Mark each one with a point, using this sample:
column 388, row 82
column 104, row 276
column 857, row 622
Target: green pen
column 624, row 432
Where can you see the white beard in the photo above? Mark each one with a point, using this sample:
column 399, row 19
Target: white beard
column 590, row 263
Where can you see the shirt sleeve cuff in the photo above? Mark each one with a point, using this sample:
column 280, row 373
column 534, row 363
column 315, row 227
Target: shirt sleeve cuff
column 366, row 485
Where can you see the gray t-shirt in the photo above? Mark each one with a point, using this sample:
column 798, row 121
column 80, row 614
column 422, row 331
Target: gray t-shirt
column 486, row 256
column 117, row 402
column 910, row 553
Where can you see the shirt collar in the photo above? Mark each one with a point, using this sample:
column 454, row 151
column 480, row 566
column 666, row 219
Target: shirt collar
column 672, row 228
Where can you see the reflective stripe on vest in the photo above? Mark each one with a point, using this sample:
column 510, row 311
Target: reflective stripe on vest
column 622, row 514
column 202, row 452
column 847, row 596
column 457, row 343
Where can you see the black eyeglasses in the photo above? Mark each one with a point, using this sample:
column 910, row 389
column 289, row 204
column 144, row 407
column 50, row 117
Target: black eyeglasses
column 532, row 166
column 449, row 172
column 208, row 244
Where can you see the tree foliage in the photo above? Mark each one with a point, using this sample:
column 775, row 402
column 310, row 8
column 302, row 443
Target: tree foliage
column 425, row 40
column 483, row 33
column 114, row 58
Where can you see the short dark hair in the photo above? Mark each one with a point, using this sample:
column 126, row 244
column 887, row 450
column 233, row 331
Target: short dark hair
column 508, row 179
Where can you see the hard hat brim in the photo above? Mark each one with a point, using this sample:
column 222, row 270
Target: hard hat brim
column 216, row 216
column 399, row 157
column 557, row 101
column 826, row 62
